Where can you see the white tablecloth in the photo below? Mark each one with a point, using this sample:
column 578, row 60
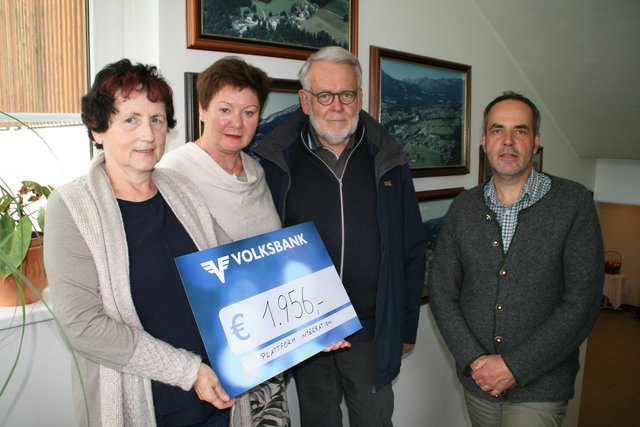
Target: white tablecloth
column 618, row 290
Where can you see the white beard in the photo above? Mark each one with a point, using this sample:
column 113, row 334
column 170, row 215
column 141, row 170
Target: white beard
column 334, row 137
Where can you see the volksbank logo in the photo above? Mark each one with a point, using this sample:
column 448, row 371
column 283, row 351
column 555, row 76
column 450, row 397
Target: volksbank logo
column 248, row 255
column 211, row 268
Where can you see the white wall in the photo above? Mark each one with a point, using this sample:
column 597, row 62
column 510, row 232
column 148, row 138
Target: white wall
column 123, row 29
column 617, row 181
column 427, row 392
column 39, row 392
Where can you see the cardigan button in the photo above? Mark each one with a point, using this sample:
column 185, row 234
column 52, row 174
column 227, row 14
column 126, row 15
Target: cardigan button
column 503, row 272
column 495, row 243
column 487, row 217
column 499, row 307
column 498, row 339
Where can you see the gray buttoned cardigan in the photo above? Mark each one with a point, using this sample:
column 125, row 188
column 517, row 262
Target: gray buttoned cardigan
column 533, row 305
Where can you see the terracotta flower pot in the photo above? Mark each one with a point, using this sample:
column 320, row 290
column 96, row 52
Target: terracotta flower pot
column 33, row 269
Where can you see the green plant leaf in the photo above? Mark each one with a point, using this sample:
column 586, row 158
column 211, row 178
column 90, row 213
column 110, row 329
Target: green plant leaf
column 7, row 226
column 5, row 201
column 46, row 190
column 14, row 245
column 40, row 217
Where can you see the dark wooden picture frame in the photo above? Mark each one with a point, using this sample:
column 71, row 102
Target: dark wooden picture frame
column 425, row 103
column 325, row 20
column 485, row 171
column 193, row 125
column 433, row 206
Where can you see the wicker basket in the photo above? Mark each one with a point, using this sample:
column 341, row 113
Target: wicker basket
column 613, row 264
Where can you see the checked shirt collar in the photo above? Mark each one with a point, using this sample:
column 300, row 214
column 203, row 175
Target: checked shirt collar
column 535, row 188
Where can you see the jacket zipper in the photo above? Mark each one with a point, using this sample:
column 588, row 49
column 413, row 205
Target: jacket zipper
column 339, row 179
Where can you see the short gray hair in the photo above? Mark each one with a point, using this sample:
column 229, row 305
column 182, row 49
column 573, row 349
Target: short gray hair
column 334, row 54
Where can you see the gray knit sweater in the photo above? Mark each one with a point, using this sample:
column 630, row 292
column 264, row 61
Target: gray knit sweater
column 86, row 259
column 533, row 305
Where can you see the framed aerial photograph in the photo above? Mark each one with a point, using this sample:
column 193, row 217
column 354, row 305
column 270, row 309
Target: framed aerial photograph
column 433, row 205
column 425, row 104
column 485, row 171
column 282, row 100
column 282, row 28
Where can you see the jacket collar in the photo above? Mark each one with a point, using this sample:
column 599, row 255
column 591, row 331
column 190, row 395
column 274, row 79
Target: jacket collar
column 386, row 151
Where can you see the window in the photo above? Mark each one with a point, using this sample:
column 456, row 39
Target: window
column 43, row 75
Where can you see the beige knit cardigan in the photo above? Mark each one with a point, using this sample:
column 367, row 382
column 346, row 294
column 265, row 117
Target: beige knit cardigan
column 122, row 394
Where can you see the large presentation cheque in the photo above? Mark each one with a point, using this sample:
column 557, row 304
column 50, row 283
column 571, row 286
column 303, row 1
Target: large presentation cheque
column 266, row 303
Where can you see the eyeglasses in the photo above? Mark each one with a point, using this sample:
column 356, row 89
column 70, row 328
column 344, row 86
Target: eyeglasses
column 326, row 98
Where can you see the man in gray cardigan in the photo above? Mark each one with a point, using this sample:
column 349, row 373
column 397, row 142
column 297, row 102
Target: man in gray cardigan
column 516, row 278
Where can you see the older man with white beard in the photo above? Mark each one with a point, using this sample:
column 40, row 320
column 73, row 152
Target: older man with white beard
column 335, row 165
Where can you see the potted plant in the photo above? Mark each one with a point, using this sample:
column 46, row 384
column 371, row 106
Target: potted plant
column 21, row 260
column 21, row 241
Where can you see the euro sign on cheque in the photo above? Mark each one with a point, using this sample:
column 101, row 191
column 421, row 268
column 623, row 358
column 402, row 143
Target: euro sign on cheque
column 266, row 303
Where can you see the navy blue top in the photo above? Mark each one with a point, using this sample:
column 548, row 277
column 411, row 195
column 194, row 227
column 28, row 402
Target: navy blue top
column 154, row 238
